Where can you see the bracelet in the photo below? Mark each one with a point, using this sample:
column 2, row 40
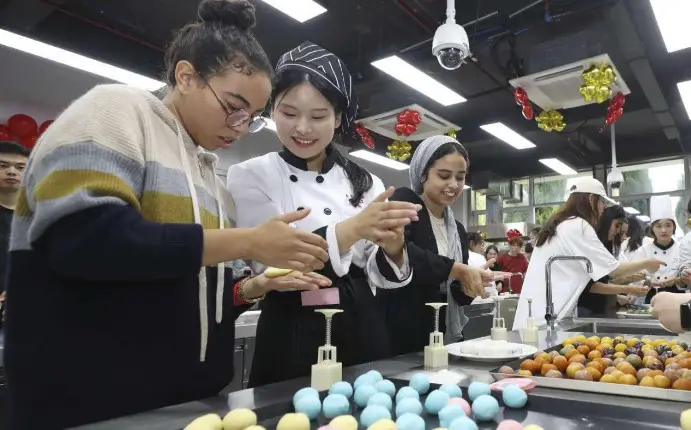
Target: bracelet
column 241, row 293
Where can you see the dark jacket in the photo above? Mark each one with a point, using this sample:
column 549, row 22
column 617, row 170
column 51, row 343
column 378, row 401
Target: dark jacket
column 408, row 320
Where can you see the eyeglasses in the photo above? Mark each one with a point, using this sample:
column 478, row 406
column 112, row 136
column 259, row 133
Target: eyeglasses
column 237, row 117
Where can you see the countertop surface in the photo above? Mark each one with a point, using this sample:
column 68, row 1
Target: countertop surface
column 459, row 371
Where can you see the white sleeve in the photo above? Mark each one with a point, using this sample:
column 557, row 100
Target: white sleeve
column 404, row 273
column 683, row 261
column 586, row 243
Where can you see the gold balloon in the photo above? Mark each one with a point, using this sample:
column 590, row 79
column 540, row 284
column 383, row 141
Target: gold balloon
column 399, row 150
column 603, row 94
column 551, row 120
column 451, row 133
column 597, row 83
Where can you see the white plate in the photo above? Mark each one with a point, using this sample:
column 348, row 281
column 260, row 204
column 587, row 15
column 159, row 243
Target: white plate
column 455, row 349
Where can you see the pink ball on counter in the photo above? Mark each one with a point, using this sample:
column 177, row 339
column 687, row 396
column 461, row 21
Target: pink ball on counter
column 460, row 402
column 510, row 425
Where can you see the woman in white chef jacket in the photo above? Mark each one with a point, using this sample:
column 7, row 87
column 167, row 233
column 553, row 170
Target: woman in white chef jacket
column 476, row 258
column 312, row 98
column 571, row 232
column 663, row 228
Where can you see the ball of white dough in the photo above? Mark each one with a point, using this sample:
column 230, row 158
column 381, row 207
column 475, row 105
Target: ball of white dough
column 206, row 422
column 344, row 422
column 239, row 419
column 294, row 422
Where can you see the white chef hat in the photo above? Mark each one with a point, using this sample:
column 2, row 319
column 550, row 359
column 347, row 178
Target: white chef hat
column 661, row 208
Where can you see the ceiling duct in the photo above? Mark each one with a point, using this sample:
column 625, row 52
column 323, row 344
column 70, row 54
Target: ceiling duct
column 431, row 125
column 491, row 184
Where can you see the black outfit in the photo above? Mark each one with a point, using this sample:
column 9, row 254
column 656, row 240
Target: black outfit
column 596, row 304
column 5, row 224
column 408, row 321
column 298, row 331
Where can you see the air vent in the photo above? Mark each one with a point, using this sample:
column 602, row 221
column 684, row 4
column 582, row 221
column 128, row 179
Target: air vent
column 431, row 125
column 557, row 88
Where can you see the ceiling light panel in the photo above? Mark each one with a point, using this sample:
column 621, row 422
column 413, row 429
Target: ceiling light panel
column 379, row 159
column 685, row 92
column 502, row 132
column 299, row 10
column 558, row 166
column 672, row 18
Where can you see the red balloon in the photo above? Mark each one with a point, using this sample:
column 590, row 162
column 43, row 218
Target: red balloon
column 415, row 118
column 42, row 129
column 618, row 100
column 22, row 125
column 520, row 96
column 402, row 117
column 28, row 141
column 400, row 129
column 369, row 142
column 5, row 133
column 410, row 129
column 528, row 111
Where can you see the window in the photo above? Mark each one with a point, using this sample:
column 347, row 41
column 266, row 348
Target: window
column 517, row 216
column 526, row 195
column 543, row 213
column 479, row 201
column 679, row 206
column 641, row 205
column 481, row 219
column 555, row 189
column 663, row 177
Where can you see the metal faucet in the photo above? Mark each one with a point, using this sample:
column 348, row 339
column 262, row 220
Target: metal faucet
column 510, row 277
column 550, row 315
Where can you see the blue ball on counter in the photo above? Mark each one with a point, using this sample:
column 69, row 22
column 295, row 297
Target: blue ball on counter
column 410, row 422
column 450, row 413
column 364, row 379
column 303, row 392
column 485, row 408
column 386, row 386
column 463, row 423
column 335, row 405
column 407, row 392
column 363, row 393
column 375, row 374
column 477, row 389
column 381, row 399
column 310, row 406
column 343, row 388
column 452, row 390
column 514, row 397
column 435, row 401
column 408, row 405
column 372, row 414
column 420, row 383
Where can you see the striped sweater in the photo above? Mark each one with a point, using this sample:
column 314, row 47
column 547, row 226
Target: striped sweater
column 108, row 301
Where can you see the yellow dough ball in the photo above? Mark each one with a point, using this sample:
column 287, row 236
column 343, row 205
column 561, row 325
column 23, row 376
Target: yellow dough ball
column 344, row 422
column 383, row 424
column 206, row 422
column 239, row 419
column 275, row 272
column 686, row 420
column 533, row 427
column 255, row 428
column 294, row 422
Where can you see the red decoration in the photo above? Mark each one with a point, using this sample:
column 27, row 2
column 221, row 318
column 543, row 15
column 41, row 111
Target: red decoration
column 528, row 111
column 513, row 234
column 522, row 100
column 407, row 122
column 42, row 129
column 615, row 109
column 364, row 135
column 22, row 125
column 28, row 141
column 5, row 133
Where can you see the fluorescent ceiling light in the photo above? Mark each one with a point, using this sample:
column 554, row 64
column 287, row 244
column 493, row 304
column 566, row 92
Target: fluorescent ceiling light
column 632, row 211
column 466, row 187
column 59, row 55
column 558, row 166
column 379, row 159
column 644, row 218
column 685, row 91
column 672, row 18
column 500, row 131
column 300, row 10
column 417, row 80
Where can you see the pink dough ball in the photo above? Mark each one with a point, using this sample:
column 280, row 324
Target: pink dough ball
column 510, row 425
column 460, row 402
column 327, row 428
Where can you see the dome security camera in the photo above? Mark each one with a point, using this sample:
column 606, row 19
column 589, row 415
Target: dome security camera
column 450, row 45
column 615, row 179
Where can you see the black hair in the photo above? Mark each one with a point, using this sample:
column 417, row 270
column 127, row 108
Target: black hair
column 443, row 151
column 610, row 215
column 636, row 234
column 529, row 248
column 535, row 230
column 8, row 147
column 475, row 238
column 359, row 178
column 490, row 248
column 688, row 207
column 219, row 40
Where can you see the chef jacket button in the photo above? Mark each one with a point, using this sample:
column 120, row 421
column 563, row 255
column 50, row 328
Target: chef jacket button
column 658, row 278
column 327, row 211
column 320, row 179
column 664, row 252
column 300, row 208
column 293, row 178
column 655, row 252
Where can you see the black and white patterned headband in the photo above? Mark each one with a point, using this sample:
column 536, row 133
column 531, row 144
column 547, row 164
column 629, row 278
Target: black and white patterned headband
column 324, row 65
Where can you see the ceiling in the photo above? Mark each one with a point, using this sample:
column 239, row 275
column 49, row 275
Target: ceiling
column 132, row 34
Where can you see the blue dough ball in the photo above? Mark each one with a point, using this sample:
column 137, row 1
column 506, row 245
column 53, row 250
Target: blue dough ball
column 303, row 392
column 381, row 399
column 485, row 408
column 477, row 389
column 452, row 390
column 386, row 386
column 450, row 413
column 408, row 405
column 435, row 401
column 363, row 393
column 344, row 388
column 364, row 379
column 406, row 392
column 372, row 414
column 376, row 375
column 514, row 397
column 310, row 406
column 410, row 422
column 463, row 423
column 336, row 405
column 420, row 382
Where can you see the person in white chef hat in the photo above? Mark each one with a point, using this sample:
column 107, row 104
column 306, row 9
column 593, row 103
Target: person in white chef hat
column 663, row 228
column 571, row 232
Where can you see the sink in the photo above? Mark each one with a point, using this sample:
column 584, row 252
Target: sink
column 623, row 328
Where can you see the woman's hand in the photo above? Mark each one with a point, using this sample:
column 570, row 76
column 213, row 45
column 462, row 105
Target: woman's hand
column 490, row 263
column 275, row 243
column 473, row 280
column 625, row 300
column 652, row 265
column 666, row 309
column 394, row 248
column 260, row 285
column 636, row 290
